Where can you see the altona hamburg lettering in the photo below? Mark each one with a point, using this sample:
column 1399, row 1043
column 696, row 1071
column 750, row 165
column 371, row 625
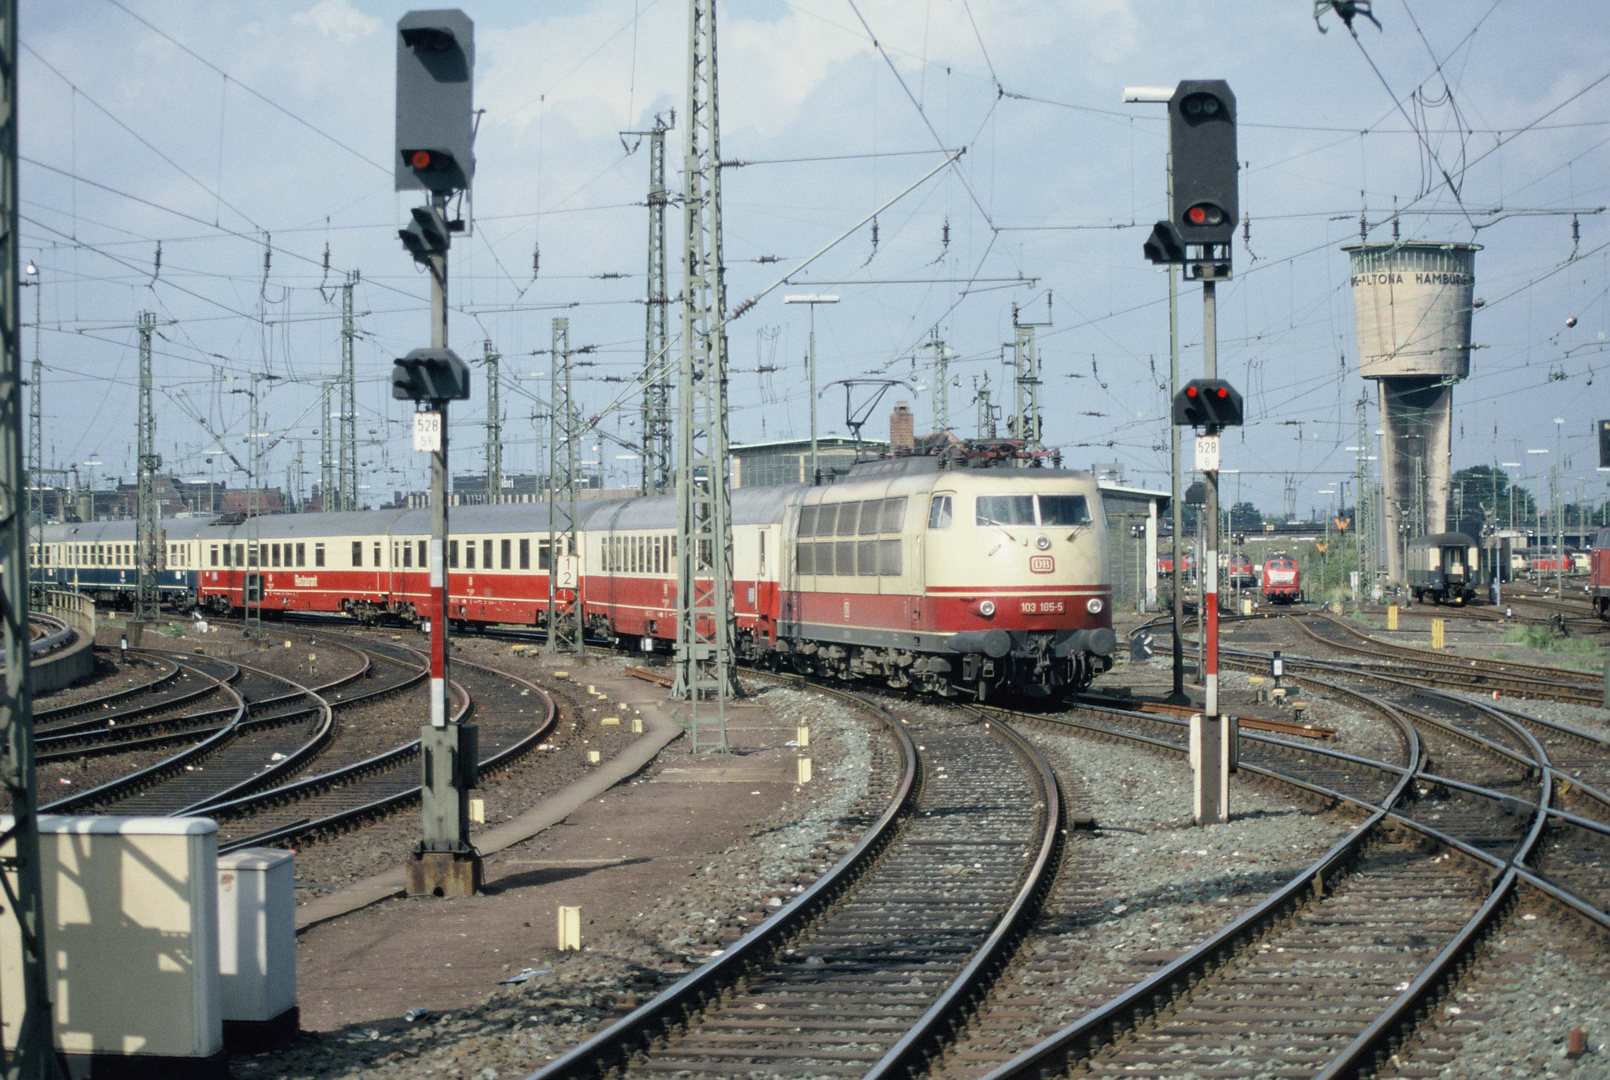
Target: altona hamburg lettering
column 1439, row 277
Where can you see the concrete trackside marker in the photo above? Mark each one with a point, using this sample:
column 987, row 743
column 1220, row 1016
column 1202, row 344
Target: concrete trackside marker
column 569, row 929
column 804, row 770
column 802, row 735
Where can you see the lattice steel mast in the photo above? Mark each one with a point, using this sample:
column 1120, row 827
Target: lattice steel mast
column 1026, row 423
column 25, row 906
column 327, row 463
column 348, row 496
column 36, row 426
column 656, row 412
column 942, row 356
column 705, row 623
column 564, row 574
column 494, row 427
column 148, row 544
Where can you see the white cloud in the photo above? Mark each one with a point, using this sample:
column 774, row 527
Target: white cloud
column 338, row 19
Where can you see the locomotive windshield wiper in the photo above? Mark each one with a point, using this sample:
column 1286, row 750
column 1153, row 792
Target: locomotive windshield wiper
column 998, row 525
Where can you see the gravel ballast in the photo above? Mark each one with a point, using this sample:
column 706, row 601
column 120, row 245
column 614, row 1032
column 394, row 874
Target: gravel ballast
column 518, row 1028
column 1541, row 974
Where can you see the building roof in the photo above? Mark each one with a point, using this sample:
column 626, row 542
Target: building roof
column 835, row 441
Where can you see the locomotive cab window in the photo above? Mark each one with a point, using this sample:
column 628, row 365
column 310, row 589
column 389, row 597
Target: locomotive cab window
column 939, row 515
column 1005, row 510
column 1062, row 510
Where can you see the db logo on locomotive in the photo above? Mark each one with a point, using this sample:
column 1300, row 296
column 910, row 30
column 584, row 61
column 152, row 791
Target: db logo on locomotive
column 1042, row 564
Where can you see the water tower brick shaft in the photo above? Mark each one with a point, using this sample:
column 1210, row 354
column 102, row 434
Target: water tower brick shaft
column 1412, row 307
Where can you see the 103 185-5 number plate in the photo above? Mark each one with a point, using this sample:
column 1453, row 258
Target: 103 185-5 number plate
column 1043, row 607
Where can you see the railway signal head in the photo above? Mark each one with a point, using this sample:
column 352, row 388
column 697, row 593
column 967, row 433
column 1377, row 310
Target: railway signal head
column 428, row 235
column 1164, row 244
column 1208, row 403
column 430, row 375
column 1201, row 133
column 435, row 104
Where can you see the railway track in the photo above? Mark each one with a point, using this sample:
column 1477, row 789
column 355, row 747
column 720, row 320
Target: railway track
column 1433, row 668
column 865, row 971
column 513, row 716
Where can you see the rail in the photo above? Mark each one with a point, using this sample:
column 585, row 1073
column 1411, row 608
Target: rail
column 608, row 1049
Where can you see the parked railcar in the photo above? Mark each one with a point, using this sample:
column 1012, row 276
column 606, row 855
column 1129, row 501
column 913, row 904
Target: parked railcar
column 1444, row 567
column 99, row 558
column 1239, row 572
column 959, row 580
column 1282, row 581
column 1599, row 573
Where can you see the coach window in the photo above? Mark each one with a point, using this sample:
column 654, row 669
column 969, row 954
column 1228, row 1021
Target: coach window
column 357, row 553
column 504, row 547
column 939, row 512
column 525, row 553
column 542, row 555
column 423, row 548
column 273, row 554
column 469, row 554
column 318, row 554
column 867, row 558
column 452, row 554
column 844, row 561
column 378, row 550
column 889, row 557
column 486, row 553
column 301, row 555
column 762, row 553
column 407, row 555
column 214, row 550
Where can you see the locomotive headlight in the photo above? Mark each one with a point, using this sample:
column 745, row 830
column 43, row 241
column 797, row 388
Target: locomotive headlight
column 1094, row 605
column 1043, row 543
column 986, row 608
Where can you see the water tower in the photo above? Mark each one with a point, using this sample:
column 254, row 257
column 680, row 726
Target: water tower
column 1412, row 304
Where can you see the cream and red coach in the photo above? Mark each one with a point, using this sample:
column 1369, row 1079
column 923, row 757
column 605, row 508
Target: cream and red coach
column 956, row 580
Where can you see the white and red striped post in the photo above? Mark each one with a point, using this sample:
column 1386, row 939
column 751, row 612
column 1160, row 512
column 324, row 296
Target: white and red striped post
column 1210, row 747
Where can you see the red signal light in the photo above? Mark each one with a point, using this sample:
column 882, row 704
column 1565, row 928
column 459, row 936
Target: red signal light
column 1196, row 215
column 1223, row 393
column 1190, row 391
column 421, row 159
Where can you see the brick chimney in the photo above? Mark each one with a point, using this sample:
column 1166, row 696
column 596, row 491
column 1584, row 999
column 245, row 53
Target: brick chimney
column 902, row 430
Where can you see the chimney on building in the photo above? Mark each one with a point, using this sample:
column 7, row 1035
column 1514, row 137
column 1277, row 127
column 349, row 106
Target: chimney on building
column 902, row 430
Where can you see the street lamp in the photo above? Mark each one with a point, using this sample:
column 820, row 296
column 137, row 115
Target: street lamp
column 812, row 299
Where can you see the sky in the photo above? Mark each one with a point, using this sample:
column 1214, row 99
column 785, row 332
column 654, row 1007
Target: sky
column 253, row 141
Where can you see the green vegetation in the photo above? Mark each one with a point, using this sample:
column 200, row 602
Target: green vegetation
column 1572, row 651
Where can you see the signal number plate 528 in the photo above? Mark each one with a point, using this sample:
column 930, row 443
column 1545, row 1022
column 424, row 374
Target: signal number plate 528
column 1043, row 607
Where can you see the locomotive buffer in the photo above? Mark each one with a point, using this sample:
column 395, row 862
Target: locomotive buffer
column 435, row 137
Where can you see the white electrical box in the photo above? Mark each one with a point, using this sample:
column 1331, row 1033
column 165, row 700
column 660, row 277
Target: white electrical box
column 131, row 936
column 257, row 945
